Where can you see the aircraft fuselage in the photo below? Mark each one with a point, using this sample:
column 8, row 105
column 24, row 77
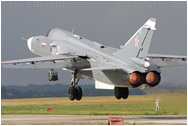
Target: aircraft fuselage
column 60, row 42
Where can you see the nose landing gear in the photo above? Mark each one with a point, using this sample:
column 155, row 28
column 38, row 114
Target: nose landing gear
column 75, row 92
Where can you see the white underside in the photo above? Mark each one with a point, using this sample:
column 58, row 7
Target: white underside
column 102, row 85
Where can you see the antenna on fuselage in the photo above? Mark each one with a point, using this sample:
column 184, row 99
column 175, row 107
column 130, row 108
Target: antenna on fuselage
column 72, row 30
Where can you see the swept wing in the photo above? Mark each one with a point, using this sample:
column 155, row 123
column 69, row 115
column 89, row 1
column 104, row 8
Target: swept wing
column 167, row 61
column 57, row 61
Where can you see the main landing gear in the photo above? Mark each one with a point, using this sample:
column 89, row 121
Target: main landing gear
column 121, row 92
column 75, row 92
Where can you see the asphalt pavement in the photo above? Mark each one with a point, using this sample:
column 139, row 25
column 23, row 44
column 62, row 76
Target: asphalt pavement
column 91, row 120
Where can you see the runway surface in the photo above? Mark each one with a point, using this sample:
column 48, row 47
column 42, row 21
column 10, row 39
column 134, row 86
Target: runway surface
column 90, row 120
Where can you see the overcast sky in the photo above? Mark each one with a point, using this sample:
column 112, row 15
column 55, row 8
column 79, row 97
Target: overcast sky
column 110, row 23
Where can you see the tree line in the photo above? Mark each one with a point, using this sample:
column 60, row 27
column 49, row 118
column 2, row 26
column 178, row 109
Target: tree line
column 55, row 90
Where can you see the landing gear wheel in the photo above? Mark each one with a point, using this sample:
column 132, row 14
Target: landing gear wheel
column 118, row 92
column 125, row 92
column 79, row 93
column 72, row 93
column 121, row 92
column 75, row 92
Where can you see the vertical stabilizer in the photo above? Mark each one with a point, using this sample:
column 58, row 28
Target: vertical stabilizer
column 138, row 44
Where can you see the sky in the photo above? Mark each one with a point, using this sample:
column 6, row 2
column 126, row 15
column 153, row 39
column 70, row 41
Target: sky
column 109, row 23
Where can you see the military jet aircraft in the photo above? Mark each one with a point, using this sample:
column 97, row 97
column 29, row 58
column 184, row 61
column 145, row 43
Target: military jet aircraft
column 130, row 66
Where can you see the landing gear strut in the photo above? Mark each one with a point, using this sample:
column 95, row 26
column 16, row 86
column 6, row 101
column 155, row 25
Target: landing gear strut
column 75, row 92
column 121, row 92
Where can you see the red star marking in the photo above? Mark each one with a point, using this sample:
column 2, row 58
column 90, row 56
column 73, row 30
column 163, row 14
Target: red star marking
column 43, row 44
column 136, row 41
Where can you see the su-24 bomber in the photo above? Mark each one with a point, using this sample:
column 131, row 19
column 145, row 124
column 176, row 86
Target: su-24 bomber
column 120, row 69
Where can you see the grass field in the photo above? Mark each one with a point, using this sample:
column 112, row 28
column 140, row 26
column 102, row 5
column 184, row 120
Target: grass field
column 169, row 104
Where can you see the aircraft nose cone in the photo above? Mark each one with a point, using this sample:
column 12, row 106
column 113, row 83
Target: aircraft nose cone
column 29, row 41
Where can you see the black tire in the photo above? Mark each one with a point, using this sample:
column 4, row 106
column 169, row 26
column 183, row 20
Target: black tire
column 79, row 93
column 118, row 92
column 72, row 93
column 125, row 92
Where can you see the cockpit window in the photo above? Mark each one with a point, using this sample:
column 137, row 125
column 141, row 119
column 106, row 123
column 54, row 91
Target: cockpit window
column 47, row 33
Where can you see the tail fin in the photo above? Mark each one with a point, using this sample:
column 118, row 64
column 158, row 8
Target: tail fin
column 138, row 44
